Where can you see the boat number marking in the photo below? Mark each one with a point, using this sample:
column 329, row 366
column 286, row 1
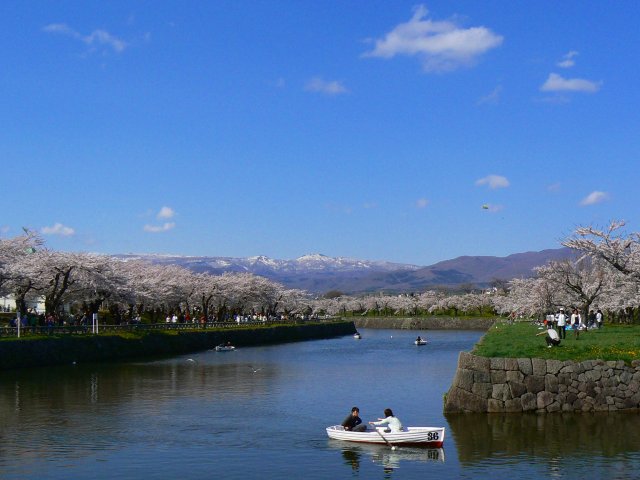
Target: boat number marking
column 431, row 436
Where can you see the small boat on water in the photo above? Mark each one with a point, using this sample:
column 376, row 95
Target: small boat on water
column 357, row 336
column 432, row 437
column 420, row 342
column 225, row 348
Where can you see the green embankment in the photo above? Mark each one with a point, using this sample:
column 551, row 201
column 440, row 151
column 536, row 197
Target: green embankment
column 519, row 340
column 66, row 349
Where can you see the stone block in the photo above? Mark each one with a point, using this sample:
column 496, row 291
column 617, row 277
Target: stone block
column 551, row 383
column 501, row 392
column 482, row 377
column 459, row 400
column 567, row 369
column 529, row 402
column 495, row 406
column 525, row 366
column 497, row 363
column 514, row 376
column 511, row 364
column 553, row 407
column 593, row 375
column 513, row 405
column 472, row 362
column 498, row 376
column 534, row 383
column 544, row 399
column 482, row 389
column 539, row 366
column 517, row 389
column 626, row 377
column 463, row 379
column 553, row 366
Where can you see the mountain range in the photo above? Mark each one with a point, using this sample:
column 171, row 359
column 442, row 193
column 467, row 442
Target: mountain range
column 319, row 273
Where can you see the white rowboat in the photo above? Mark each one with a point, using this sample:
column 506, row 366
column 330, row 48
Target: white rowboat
column 225, row 348
column 357, row 336
column 420, row 342
column 432, row 437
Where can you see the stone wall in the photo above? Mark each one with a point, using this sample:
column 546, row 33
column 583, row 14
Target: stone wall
column 537, row 385
column 67, row 349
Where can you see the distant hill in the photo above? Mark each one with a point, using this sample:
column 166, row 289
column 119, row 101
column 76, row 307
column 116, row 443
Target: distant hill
column 318, row 273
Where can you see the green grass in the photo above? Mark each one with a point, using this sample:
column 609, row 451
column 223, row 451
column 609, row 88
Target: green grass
column 612, row 342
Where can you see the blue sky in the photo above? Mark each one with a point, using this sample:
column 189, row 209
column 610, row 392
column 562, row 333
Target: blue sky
column 368, row 129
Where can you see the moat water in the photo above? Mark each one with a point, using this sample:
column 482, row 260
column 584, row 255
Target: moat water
column 261, row 413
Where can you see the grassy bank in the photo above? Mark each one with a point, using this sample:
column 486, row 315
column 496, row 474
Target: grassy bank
column 613, row 342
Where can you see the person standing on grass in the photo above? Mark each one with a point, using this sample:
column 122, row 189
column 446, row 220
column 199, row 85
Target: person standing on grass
column 599, row 318
column 561, row 322
column 576, row 323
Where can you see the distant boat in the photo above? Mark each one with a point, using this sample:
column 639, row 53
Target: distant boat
column 420, row 342
column 225, row 348
column 357, row 336
column 432, row 437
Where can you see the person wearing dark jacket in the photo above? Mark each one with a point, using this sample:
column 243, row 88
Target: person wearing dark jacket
column 353, row 422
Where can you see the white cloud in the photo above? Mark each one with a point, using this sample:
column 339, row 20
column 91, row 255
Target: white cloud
column 319, row 85
column 159, row 228
column 556, row 83
column 422, row 203
column 166, row 212
column 554, row 187
column 493, row 181
column 492, row 98
column 568, row 60
column 440, row 45
column 58, row 229
column 594, row 197
column 97, row 38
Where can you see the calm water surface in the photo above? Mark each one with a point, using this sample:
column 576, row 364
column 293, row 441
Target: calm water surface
column 261, row 413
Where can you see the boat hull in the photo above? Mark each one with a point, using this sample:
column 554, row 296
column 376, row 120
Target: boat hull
column 430, row 437
column 420, row 343
column 225, row 349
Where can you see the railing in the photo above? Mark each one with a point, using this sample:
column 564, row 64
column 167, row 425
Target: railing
column 40, row 330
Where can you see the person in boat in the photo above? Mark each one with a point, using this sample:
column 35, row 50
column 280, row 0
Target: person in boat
column 552, row 338
column 419, row 339
column 393, row 423
column 353, row 422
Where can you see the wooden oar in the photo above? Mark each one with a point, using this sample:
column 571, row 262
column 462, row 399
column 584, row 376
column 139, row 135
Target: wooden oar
column 385, row 440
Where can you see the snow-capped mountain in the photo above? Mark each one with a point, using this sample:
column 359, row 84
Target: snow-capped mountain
column 262, row 265
column 319, row 273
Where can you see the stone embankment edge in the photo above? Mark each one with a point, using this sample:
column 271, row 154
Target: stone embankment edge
column 497, row 385
column 106, row 348
column 425, row 323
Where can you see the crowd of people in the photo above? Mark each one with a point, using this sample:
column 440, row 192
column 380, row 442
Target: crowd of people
column 557, row 324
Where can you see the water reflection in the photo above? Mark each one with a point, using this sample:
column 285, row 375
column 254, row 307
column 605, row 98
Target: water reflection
column 480, row 437
column 354, row 454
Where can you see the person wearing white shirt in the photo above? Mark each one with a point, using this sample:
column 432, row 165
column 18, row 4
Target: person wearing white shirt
column 561, row 322
column 394, row 424
column 551, row 338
